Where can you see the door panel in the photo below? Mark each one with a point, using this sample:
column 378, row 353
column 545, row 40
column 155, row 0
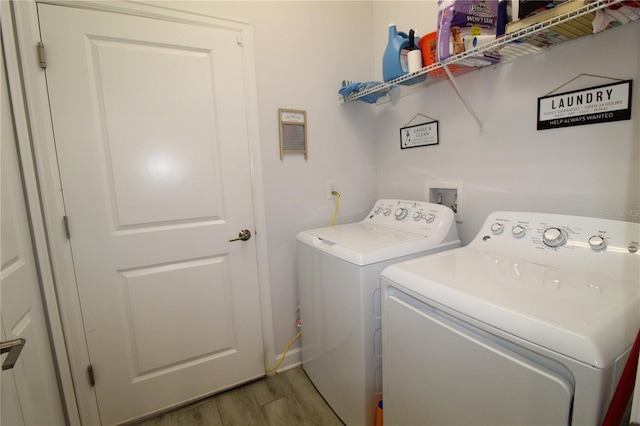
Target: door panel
column 151, row 136
column 162, row 312
column 157, row 168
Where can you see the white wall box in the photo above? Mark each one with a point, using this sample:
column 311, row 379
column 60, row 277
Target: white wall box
column 446, row 193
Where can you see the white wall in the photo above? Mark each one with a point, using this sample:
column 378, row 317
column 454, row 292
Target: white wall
column 587, row 170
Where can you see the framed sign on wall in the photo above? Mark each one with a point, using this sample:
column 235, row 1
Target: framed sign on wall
column 598, row 104
column 293, row 132
column 423, row 134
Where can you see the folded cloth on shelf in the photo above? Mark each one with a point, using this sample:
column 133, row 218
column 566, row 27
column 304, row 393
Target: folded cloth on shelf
column 622, row 13
column 601, row 21
column 360, row 87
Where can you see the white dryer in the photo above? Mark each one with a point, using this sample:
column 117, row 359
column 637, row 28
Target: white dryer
column 338, row 272
column 531, row 323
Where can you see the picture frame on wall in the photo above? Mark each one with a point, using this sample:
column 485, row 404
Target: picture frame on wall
column 293, row 132
column 425, row 134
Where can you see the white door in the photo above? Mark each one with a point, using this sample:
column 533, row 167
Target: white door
column 29, row 390
column 151, row 135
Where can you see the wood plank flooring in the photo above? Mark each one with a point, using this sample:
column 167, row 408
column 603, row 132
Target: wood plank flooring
column 284, row 399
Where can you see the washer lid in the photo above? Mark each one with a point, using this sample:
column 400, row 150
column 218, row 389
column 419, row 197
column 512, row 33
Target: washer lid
column 585, row 317
column 363, row 243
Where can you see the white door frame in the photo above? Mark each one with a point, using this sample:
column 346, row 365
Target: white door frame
column 45, row 193
column 36, row 220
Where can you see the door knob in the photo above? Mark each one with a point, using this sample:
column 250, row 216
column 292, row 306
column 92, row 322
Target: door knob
column 14, row 347
column 244, row 235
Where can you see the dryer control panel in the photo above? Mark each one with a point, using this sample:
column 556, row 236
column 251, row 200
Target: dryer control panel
column 552, row 239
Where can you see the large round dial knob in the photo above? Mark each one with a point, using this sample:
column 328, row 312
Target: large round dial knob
column 401, row 213
column 554, row 237
column 429, row 217
column 497, row 228
column 597, row 242
column 518, row 231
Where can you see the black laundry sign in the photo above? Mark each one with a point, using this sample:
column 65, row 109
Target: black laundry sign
column 611, row 102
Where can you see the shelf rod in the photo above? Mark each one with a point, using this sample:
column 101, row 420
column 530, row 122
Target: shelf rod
column 464, row 100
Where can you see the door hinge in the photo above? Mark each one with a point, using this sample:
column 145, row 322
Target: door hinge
column 41, row 58
column 92, row 378
column 65, row 220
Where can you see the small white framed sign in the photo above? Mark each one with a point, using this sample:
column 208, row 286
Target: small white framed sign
column 293, row 132
column 425, row 134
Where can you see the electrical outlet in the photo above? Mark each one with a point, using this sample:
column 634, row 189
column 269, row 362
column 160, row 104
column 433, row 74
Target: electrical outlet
column 332, row 185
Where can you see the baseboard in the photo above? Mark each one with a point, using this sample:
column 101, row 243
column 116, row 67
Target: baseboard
column 291, row 360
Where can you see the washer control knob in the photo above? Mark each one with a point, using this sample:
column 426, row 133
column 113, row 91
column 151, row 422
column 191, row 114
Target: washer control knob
column 554, row 237
column 387, row 211
column 429, row 217
column 497, row 228
column 597, row 242
column 518, row 231
column 401, row 213
column 418, row 215
column 377, row 210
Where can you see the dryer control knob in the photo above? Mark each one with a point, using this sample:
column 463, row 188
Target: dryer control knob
column 518, row 231
column 497, row 228
column 417, row 216
column 401, row 213
column 430, row 217
column 597, row 242
column 554, row 237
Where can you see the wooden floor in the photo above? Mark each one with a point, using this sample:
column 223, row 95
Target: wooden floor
column 287, row 399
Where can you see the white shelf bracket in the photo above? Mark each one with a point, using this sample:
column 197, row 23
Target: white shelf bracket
column 464, row 100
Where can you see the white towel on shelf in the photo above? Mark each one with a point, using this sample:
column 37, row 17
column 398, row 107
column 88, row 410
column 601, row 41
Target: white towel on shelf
column 601, row 21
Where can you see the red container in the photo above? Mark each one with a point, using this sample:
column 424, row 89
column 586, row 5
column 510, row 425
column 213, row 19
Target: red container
column 428, row 45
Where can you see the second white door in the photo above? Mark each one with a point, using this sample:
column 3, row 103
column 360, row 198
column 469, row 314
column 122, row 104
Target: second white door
column 150, row 126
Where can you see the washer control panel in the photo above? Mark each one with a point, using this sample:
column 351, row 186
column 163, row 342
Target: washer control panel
column 412, row 216
column 561, row 239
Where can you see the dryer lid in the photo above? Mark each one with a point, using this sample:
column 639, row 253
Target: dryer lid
column 590, row 318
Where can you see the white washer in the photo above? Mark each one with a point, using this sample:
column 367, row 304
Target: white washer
column 531, row 323
column 338, row 270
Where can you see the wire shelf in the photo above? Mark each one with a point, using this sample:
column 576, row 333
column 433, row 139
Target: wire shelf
column 530, row 40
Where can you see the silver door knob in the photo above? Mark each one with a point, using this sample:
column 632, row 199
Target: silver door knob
column 14, row 347
column 244, row 235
